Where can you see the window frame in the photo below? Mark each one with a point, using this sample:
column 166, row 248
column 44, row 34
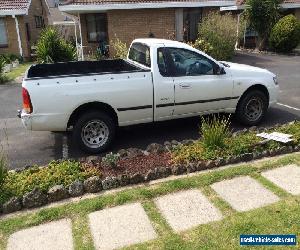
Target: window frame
column 4, row 45
column 88, row 31
column 39, row 22
column 169, row 58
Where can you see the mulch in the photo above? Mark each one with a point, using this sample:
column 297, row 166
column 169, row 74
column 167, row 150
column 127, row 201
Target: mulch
column 139, row 164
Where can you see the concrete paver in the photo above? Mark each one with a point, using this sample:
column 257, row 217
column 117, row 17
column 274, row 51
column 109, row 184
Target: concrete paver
column 187, row 209
column 55, row 235
column 288, row 178
column 120, row 226
column 244, row 193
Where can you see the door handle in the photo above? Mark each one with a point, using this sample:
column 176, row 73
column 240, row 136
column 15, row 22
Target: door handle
column 185, row 86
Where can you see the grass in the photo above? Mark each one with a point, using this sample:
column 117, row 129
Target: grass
column 280, row 218
column 16, row 72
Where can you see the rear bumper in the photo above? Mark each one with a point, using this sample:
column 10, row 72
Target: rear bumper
column 43, row 122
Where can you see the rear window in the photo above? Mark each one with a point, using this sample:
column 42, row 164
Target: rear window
column 140, row 53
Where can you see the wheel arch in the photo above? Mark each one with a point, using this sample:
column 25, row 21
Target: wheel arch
column 92, row 106
column 257, row 86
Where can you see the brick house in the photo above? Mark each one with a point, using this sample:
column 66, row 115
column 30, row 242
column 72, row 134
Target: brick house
column 104, row 20
column 21, row 22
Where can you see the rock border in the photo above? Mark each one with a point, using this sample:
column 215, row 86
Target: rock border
column 37, row 198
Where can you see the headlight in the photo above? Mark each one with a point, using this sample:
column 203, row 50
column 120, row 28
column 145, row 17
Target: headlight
column 275, row 79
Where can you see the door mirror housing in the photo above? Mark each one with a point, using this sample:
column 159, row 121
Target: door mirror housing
column 220, row 70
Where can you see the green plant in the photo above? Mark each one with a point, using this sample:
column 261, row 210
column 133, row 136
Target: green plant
column 111, row 159
column 3, row 171
column 120, row 49
column 202, row 45
column 262, row 15
column 285, row 35
column 56, row 173
column 214, row 131
column 220, row 32
column 3, row 78
column 52, row 48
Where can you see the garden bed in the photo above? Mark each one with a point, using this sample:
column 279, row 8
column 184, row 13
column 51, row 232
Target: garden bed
column 217, row 147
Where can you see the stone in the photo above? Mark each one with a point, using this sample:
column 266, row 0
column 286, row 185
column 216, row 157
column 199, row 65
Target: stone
column 164, row 172
column 151, row 175
column 155, row 148
column 120, row 226
column 187, row 209
column 76, row 188
column 252, row 129
column 123, row 153
column 110, row 182
column 174, row 143
column 53, row 235
column 57, row 193
column 35, row 198
column 14, row 204
column 200, row 165
column 93, row 159
column 134, row 152
column 247, row 157
column 167, row 144
column 244, row 193
column 123, row 180
column 287, row 178
column 210, row 164
column 191, row 167
column 187, row 142
column 178, row 169
column 92, row 184
column 136, row 178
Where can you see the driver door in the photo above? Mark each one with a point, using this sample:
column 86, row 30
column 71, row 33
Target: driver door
column 197, row 86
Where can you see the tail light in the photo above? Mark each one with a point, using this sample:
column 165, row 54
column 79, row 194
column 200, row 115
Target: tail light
column 27, row 106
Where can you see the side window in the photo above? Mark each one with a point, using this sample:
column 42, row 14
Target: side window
column 161, row 62
column 140, row 53
column 189, row 63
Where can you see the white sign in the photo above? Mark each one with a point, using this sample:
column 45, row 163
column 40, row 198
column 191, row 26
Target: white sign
column 281, row 137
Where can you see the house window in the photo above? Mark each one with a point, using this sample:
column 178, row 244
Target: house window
column 39, row 22
column 191, row 19
column 96, row 27
column 3, row 34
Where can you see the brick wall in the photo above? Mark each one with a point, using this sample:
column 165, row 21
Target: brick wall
column 130, row 24
column 12, row 37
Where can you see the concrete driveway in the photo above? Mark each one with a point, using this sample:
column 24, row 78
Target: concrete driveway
column 27, row 148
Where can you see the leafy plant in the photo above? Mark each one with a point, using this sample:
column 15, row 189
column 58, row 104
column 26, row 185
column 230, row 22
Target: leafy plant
column 111, row 159
column 202, row 45
column 52, row 48
column 219, row 31
column 214, row 131
column 120, row 49
column 3, row 79
column 3, row 171
column 56, row 173
column 285, row 35
column 262, row 15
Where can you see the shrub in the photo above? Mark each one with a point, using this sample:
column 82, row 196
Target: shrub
column 285, row 35
column 3, row 171
column 214, row 131
column 111, row 159
column 56, row 173
column 52, row 48
column 220, row 32
column 120, row 49
column 202, row 45
column 2, row 76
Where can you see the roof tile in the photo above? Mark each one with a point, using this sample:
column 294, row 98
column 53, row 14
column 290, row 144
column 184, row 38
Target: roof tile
column 14, row 4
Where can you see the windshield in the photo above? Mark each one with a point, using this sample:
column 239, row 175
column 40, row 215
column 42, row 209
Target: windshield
column 140, row 53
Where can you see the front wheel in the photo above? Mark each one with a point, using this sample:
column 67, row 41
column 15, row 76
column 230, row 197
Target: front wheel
column 94, row 132
column 252, row 108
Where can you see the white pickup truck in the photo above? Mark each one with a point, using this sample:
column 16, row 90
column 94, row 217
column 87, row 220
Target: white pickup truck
column 160, row 80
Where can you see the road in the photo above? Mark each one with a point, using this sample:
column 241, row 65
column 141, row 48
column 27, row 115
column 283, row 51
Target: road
column 27, row 148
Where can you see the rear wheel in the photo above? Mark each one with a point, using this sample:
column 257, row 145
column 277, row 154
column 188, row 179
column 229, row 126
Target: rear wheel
column 94, row 132
column 252, row 108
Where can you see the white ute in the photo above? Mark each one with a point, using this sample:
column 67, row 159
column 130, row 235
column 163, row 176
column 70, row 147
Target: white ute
column 160, row 80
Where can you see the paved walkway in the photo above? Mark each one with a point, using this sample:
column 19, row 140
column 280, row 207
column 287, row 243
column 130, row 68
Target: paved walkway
column 129, row 224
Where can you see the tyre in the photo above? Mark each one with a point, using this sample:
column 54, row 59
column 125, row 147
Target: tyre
column 94, row 132
column 252, row 108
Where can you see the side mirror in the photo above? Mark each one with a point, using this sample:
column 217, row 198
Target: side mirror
column 220, row 70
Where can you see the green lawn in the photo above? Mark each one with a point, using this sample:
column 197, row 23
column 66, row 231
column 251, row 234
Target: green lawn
column 279, row 218
column 16, row 72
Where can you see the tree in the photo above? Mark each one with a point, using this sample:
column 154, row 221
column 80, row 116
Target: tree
column 262, row 16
